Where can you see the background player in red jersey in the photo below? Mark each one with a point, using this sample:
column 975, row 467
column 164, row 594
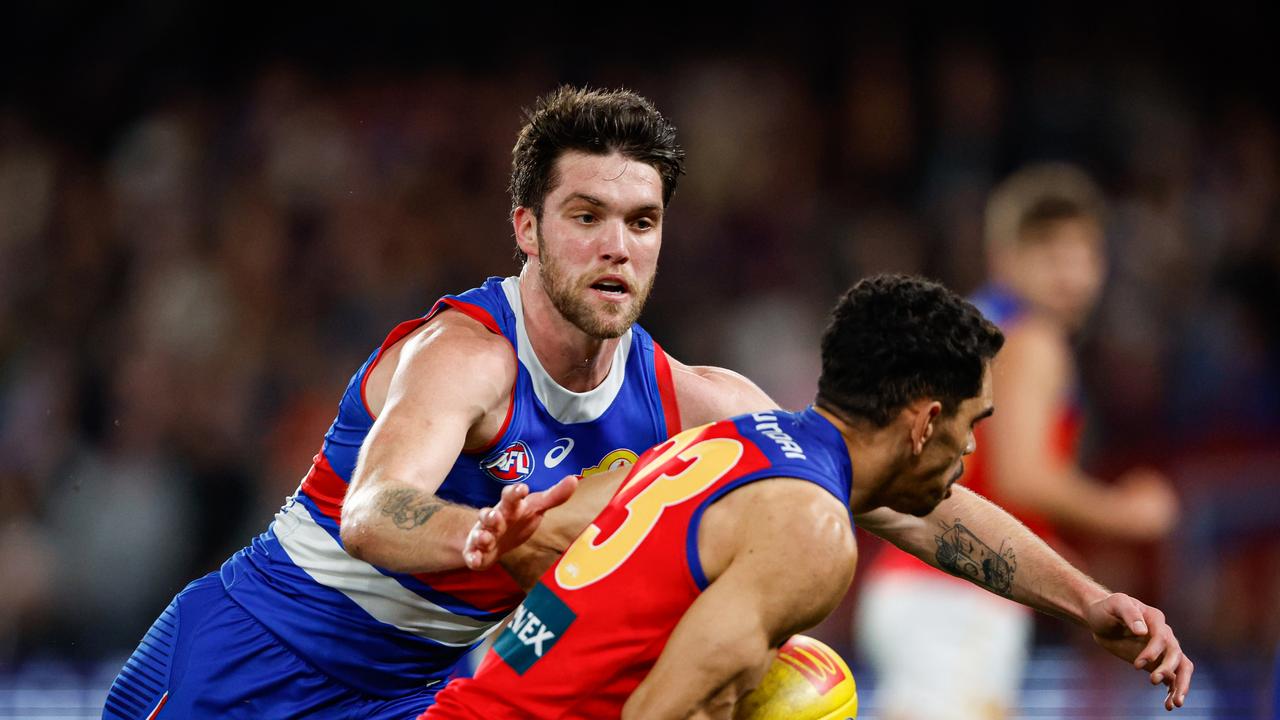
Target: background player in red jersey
column 1044, row 234
column 698, row 567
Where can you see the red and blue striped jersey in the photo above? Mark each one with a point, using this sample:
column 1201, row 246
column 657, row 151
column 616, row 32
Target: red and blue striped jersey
column 383, row 632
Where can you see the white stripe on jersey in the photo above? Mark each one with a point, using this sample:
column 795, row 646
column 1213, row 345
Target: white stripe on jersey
column 314, row 550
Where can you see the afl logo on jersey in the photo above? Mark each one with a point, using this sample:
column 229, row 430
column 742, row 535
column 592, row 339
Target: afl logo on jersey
column 510, row 465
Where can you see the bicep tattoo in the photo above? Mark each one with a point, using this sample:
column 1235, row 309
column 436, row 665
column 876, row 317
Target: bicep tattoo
column 961, row 553
column 409, row 509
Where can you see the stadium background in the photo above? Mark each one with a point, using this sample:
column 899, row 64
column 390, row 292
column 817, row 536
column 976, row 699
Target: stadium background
column 209, row 214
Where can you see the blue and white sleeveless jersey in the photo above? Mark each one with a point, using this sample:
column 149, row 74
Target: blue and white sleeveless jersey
column 384, row 632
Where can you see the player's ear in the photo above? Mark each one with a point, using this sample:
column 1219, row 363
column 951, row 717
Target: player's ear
column 525, row 224
column 924, row 413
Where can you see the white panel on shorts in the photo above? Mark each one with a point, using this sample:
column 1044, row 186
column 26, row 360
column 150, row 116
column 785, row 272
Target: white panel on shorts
column 564, row 405
column 944, row 649
column 314, row 550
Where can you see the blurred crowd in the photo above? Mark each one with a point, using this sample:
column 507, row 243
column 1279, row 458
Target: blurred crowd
column 181, row 307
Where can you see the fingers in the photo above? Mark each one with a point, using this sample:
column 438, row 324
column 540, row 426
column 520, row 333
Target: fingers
column 1169, row 663
column 474, row 559
column 1159, row 636
column 1178, row 690
column 1130, row 614
column 495, row 520
column 1179, row 682
column 1164, row 673
column 553, row 496
column 1146, row 659
column 509, row 504
column 478, row 552
column 1175, row 668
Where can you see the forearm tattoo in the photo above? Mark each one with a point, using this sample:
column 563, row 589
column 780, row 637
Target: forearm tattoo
column 409, row 509
column 961, row 553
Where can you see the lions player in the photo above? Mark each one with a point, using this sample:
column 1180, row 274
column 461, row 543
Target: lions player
column 726, row 539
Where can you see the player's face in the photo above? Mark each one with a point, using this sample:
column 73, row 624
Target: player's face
column 598, row 240
column 1062, row 272
column 942, row 462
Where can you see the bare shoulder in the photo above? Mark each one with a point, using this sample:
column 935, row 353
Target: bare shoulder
column 791, row 526
column 449, row 348
column 458, row 334
column 706, row 393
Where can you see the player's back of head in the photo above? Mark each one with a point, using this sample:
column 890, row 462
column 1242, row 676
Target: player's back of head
column 894, row 339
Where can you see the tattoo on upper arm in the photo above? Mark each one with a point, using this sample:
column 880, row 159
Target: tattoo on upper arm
column 961, row 553
column 409, row 509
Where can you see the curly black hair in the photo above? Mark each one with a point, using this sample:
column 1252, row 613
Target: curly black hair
column 598, row 122
column 894, row 339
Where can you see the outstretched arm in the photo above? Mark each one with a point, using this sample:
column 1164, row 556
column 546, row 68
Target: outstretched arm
column 781, row 555
column 972, row 538
column 441, row 386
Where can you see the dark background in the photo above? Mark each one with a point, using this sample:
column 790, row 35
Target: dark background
column 210, row 214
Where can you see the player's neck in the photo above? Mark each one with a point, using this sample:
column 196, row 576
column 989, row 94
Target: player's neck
column 577, row 361
column 872, row 459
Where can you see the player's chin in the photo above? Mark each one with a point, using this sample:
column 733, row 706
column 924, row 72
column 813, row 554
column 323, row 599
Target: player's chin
column 609, row 330
column 930, row 504
column 920, row 509
column 611, row 321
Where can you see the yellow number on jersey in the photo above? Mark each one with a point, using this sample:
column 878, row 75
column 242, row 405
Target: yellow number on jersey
column 587, row 562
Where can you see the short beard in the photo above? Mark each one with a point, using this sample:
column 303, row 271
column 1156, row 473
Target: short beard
column 611, row 321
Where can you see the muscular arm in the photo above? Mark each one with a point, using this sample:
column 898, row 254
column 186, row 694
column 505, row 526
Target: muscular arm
column 968, row 536
column 781, row 555
column 1032, row 374
column 447, row 379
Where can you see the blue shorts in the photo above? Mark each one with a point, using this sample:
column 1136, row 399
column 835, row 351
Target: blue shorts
column 205, row 657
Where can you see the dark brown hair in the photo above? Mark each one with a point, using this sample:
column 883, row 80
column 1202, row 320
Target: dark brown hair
column 598, row 122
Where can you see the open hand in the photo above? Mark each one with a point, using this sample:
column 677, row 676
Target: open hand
column 512, row 521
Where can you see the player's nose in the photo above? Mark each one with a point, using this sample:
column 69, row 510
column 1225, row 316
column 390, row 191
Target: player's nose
column 613, row 242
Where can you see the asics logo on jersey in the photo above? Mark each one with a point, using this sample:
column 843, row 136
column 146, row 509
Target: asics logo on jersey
column 558, row 452
column 511, row 464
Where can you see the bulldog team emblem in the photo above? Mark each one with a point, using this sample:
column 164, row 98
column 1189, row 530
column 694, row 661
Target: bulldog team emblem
column 511, row 464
